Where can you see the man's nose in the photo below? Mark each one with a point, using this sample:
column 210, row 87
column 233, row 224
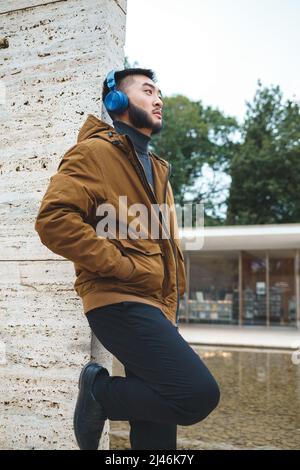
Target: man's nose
column 158, row 101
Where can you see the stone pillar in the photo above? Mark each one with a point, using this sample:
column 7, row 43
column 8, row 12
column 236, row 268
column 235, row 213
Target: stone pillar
column 54, row 56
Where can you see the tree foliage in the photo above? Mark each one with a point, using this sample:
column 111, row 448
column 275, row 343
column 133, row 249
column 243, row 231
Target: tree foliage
column 243, row 174
column 265, row 169
column 195, row 137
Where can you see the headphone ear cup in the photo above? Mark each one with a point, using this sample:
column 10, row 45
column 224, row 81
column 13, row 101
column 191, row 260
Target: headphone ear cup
column 116, row 101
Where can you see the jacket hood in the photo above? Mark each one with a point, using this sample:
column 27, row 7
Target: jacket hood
column 93, row 126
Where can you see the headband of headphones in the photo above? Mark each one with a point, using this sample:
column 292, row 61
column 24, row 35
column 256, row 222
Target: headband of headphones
column 111, row 81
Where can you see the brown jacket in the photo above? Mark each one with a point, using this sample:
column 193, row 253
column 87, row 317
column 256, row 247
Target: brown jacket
column 98, row 169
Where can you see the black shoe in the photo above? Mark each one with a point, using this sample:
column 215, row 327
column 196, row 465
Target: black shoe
column 89, row 416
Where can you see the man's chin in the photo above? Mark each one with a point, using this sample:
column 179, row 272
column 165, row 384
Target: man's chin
column 157, row 127
column 156, row 130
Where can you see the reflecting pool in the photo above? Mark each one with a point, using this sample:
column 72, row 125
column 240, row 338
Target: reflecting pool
column 259, row 406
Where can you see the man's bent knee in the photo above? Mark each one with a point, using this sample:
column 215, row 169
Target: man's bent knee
column 200, row 405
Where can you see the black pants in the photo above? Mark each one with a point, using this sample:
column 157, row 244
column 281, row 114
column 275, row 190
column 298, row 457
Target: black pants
column 166, row 382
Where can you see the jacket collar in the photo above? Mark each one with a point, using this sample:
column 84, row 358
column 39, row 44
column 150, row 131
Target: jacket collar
column 95, row 127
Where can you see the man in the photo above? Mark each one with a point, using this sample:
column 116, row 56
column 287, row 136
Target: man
column 130, row 285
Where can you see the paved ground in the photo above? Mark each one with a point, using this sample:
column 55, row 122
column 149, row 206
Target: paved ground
column 244, row 336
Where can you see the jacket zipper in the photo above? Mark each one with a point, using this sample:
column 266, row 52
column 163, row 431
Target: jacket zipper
column 144, row 177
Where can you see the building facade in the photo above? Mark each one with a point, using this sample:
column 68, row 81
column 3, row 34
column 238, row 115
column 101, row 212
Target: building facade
column 243, row 275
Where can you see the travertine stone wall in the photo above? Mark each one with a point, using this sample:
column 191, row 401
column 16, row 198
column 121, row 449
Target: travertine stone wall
column 50, row 78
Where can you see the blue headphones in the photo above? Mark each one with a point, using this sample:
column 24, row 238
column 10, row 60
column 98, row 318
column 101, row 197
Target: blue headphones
column 115, row 101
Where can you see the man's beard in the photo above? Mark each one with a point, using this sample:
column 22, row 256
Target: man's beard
column 140, row 119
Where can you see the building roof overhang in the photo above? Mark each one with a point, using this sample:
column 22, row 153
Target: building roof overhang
column 241, row 237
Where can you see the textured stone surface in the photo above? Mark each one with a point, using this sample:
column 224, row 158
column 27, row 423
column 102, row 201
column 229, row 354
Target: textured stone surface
column 7, row 6
column 58, row 55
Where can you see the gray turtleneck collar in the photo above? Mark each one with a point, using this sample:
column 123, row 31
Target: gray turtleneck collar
column 140, row 142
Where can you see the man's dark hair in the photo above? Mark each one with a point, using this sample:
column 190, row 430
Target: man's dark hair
column 120, row 75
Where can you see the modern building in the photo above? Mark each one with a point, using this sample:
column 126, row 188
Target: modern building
column 243, row 275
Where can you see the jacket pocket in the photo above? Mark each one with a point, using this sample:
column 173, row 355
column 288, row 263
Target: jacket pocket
column 148, row 261
column 181, row 271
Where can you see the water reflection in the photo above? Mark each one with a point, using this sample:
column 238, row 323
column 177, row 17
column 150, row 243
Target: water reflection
column 259, row 407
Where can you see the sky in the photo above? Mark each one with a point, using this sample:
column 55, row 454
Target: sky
column 217, row 50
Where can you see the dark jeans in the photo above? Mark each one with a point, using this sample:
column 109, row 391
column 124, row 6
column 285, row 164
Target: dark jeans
column 166, row 382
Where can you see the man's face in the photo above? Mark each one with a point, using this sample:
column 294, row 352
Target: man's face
column 145, row 104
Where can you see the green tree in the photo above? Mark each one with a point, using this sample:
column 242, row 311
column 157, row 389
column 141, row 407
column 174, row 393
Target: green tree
column 128, row 65
column 194, row 138
column 265, row 169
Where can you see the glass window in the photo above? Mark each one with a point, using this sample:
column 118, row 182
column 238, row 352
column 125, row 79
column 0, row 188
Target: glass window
column 214, row 288
column 254, row 288
column 282, row 288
